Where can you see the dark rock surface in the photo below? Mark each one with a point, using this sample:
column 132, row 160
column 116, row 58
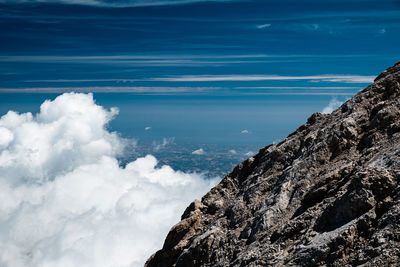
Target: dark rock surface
column 328, row 194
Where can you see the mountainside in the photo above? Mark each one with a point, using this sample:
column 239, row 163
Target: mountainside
column 328, row 194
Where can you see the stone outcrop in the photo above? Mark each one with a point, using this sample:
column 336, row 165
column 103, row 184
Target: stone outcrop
column 328, row 194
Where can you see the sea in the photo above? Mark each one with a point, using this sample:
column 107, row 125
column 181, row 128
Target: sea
column 209, row 134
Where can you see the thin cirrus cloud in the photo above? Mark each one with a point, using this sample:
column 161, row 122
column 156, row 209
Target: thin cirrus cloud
column 184, row 60
column 115, row 3
column 163, row 58
column 251, row 90
column 223, row 78
column 263, row 26
column 149, row 61
column 166, row 91
column 302, row 93
column 108, row 89
column 297, row 87
column 112, row 58
column 232, row 78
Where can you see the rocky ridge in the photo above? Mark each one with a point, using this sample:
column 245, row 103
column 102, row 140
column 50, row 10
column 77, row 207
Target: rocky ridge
column 328, row 194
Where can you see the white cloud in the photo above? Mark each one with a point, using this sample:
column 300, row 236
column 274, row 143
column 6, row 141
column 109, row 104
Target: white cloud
column 245, row 131
column 168, row 59
column 316, row 78
column 147, row 128
column 66, row 201
column 6, row 136
column 110, row 89
column 263, row 26
column 163, row 144
column 198, row 152
column 276, row 141
column 249, row 154
column 300, row 87
column 232, row 151
column 333, row 104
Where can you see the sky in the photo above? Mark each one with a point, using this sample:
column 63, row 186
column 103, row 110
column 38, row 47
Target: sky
column 91, row 90
column 196, row 47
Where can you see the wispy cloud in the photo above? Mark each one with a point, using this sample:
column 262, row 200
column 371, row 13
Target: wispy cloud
column 162, row 58
column 166, row 141
column 217, row 78
column 297, row 88
column 232, row 151
column 301, row 93
column 109, row 89
column 114, row 3
column 85, row 59
column 249, row 154
column 333, row 104
column 160, row 91
column 263, row 26
column 227, row 78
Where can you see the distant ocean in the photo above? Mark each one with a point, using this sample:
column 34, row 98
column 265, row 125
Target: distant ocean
column 225, row 129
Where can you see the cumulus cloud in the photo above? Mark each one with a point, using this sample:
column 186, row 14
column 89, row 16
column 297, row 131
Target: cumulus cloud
column 66, row 201
column 6, row 136
column 198, row 152
column 333, row 104
column 245, row 131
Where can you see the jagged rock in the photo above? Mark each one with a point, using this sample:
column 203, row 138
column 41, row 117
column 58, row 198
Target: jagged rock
column 328, row 194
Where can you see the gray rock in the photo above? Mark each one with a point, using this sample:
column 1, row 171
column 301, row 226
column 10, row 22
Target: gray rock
column 327, row 195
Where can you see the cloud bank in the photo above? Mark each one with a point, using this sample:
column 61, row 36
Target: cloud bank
column 66, row 201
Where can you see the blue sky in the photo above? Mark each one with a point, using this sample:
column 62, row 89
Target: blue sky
column 196, row 47
column 223, row 78
column 197, row 71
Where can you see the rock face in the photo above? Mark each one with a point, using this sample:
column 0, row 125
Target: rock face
column 328, row 194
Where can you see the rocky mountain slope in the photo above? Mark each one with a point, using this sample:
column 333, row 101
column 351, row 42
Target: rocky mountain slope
column 328, row 194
